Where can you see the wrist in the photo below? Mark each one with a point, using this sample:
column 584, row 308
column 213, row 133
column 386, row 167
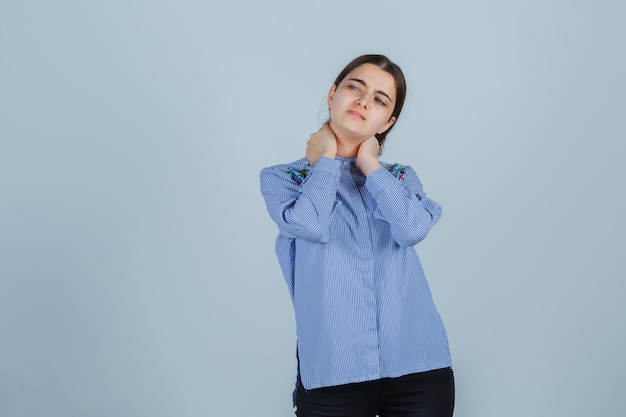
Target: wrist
column 369, row 165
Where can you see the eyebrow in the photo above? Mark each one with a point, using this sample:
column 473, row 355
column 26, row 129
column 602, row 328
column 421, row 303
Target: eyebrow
column 364, row 84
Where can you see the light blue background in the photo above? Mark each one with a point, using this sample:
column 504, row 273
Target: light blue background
column 137, row 272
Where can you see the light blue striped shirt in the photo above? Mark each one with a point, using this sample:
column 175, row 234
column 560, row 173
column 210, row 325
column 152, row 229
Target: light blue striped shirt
column 345, row 246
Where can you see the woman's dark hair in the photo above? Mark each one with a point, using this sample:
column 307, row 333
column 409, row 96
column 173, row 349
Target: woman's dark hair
column 386, row 65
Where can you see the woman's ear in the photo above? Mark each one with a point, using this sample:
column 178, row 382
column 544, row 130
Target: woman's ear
column 387, row 125
column 331, row 93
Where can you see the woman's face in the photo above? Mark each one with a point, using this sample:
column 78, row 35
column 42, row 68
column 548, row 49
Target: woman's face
column 361, row 105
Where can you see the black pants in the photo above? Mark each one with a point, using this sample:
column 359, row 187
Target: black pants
column 423, row 394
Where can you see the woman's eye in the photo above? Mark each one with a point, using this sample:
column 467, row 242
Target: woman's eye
column 353, row 87
column 379, row 101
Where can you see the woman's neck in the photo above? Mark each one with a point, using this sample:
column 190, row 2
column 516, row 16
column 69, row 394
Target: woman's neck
column 347, row 147
column 346, row 150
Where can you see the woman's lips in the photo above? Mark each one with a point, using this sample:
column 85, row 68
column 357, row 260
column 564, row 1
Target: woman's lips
column 356, row 115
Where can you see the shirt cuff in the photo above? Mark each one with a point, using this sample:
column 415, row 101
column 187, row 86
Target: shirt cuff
column 379, row 180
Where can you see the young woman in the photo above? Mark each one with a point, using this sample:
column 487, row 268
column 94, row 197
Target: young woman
column 370, row 340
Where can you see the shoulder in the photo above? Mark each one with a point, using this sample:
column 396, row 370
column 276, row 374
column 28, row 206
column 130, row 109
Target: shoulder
column 397, row 170
column 296, row 171
column 406, row 175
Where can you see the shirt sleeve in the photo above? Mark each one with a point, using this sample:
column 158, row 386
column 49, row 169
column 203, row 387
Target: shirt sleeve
column 303, row 210
column 402, row 203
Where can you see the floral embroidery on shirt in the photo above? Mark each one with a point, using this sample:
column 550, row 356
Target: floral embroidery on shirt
column 299, row 175
column 397, row 170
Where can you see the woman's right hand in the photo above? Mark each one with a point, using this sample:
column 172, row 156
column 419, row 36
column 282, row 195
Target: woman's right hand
column 321, row 144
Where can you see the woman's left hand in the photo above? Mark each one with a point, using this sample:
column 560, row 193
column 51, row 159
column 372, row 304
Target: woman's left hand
column 367, row 157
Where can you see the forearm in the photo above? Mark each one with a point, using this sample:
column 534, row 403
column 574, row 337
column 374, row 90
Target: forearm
column 303, row 211
column 409, row 214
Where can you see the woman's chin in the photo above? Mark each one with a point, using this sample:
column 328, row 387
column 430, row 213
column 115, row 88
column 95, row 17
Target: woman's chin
column 349, row 134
